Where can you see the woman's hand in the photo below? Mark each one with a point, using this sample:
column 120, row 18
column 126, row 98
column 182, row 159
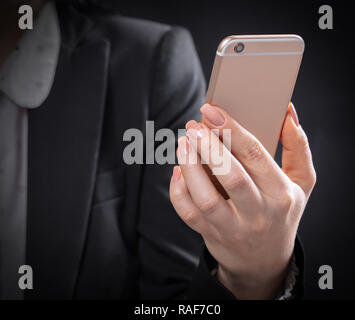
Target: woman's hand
column 251, row 234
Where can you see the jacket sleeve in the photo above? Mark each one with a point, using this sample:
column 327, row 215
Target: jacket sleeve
column 169, row 250
column 173, row 260
column 205, row 286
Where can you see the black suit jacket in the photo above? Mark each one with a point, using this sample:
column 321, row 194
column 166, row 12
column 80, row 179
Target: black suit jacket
column 97, row 227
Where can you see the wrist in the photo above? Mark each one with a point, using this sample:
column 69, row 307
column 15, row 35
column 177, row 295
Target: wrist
column 253, row 287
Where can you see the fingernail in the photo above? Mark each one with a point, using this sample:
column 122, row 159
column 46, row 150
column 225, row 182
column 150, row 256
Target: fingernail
column 293, row 114
column 194, row 129
column 183, row 146
column 176, row 173
column 213, row 115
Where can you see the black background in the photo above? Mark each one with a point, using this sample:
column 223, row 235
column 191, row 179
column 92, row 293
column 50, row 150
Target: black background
column 322, row 98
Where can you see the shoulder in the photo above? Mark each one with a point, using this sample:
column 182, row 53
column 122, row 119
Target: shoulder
column 138, row 34
column 124, row 34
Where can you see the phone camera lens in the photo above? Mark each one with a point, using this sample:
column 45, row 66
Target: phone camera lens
column 239, row 47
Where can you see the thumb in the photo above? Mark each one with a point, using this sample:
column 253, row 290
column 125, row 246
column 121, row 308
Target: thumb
column 296, row 154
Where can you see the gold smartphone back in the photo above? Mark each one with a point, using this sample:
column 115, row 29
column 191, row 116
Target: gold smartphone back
column 253, row 78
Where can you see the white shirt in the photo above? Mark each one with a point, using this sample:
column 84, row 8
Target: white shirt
column 26, row 78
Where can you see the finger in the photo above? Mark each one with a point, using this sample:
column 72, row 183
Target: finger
column 233, row 177
column 203, row 193
column 183, row 204
column 296, row 154
column 259, row 164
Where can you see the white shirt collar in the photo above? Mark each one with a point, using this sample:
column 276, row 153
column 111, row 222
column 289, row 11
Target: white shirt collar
column 26, row 77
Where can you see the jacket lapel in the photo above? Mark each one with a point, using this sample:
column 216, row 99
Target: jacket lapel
column 64, row 141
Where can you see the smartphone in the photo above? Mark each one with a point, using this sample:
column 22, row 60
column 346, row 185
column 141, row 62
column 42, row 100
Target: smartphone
column 253, row 78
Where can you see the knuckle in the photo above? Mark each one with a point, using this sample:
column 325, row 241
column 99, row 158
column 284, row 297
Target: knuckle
column 177, row 194
column 212, row 235
column 313, row 178
column 286, row 201
column 253, row 151
column 235, row 181
column 208, row 204
column 191, row 218
column 309, row 182
column 260, row 227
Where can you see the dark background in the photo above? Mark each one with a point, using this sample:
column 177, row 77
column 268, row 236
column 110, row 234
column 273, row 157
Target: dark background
column 321, row 97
